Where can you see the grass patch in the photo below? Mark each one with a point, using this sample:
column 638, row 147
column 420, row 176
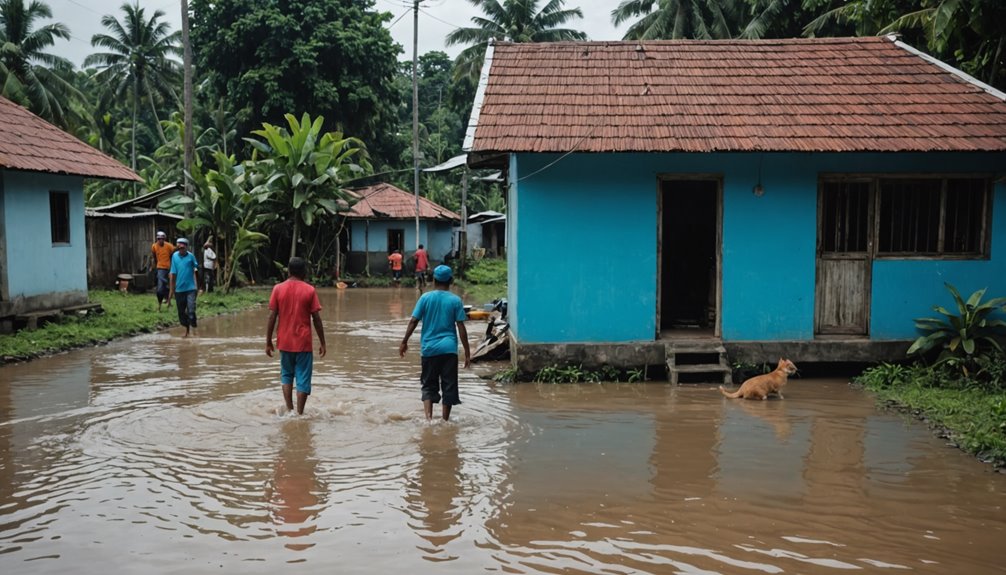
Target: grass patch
column 124, row 315
column 485, row 280
column 970, row 414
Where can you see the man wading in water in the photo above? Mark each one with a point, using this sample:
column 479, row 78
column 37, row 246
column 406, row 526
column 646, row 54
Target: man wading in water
column 440, row 311
column 295, row 303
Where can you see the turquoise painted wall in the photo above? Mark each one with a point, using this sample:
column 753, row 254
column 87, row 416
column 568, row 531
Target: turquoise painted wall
column 436, row 236
column 583, row 237
column 34, row 265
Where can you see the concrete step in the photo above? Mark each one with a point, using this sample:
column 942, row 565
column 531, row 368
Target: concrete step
column 702, row 368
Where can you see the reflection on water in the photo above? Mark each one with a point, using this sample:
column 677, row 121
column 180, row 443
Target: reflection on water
column 163, row 455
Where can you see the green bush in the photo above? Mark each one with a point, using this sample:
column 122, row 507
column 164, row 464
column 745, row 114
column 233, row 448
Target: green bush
column 965, row 338
column 489, row 271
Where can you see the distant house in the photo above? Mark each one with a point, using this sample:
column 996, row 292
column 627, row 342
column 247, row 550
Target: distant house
column 804, row 198
column 383, row 219
column 487, row 231
column 43, row 253
column 119, row 237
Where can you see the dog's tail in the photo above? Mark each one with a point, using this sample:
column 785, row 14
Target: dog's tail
column 733, row 395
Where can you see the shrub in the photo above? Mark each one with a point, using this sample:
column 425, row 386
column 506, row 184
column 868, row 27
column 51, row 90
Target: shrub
column 965, row 338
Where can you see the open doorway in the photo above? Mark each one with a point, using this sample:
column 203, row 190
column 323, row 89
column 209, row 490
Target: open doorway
column 689, row 254
column 396, row 240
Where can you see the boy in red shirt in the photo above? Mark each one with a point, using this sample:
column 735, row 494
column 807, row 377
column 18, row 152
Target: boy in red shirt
column 295, row 303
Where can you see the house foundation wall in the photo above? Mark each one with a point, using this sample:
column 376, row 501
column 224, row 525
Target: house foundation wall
column 532, row 357
column 22, row 305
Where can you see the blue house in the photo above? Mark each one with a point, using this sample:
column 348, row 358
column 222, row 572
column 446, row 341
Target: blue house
column 384, row 219
column 43, row 252
column 803, row 198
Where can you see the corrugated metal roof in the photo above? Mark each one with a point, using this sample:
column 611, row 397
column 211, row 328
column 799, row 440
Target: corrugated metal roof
column 29, row 143
column 387, row 201
column 805, row 95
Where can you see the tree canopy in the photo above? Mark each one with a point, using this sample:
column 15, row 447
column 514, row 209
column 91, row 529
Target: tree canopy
column 332, row 58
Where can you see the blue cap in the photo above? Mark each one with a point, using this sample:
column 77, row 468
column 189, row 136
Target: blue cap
column 442, row 274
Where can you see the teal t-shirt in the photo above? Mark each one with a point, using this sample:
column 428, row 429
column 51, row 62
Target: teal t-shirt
column 438, row 310
column 184, row 270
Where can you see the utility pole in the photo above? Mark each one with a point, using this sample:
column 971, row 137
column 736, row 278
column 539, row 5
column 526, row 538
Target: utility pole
column 187, row 99
column 415, row 110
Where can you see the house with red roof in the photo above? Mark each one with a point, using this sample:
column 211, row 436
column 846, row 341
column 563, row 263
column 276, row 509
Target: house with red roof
column 383, row 219
column 738, row 200
column 43, row 250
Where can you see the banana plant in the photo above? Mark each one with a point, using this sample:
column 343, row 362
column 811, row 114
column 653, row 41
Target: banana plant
column 304, row 171
column 224, row 207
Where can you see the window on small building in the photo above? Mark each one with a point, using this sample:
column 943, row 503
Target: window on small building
column 59, row 217
column 845, row 213
column 912, row 216
column 932, row 216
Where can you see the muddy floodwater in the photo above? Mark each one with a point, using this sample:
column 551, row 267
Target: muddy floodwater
column 158, row 454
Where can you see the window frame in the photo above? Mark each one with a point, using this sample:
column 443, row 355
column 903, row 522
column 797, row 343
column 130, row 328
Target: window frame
column 875, row 179
column 65, row 198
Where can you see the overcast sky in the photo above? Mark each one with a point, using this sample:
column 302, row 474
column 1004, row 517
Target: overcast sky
column 437, row 18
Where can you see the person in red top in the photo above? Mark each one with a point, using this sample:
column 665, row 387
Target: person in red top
column 395, row 261
column 295, row 303
column 422, row 264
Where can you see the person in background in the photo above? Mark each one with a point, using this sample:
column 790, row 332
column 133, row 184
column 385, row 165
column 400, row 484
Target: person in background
column 161, row 251
column 443, row 317
column 295, row 304
column 209, row 266
column 422, row 264
column 184, row 276
column 395, row 261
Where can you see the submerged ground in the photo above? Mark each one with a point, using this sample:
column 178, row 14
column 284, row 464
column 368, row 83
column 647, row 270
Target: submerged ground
column 162, row 455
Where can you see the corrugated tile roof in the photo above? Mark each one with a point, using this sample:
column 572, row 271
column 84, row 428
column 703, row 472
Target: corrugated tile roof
column 806, row 95
column 387, row 201
column 29, row 143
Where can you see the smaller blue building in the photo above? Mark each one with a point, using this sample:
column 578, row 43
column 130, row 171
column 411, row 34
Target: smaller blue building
column 43, row 250
column 804, row 198
column 384, row 219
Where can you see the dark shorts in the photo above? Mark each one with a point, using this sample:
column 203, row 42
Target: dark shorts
column 440, row 376
column 397, row 274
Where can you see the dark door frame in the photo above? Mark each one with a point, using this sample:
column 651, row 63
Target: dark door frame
column 718, row 248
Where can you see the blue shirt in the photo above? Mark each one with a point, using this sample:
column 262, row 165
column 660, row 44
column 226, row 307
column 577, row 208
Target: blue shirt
column 438, row 310
column 184, row 271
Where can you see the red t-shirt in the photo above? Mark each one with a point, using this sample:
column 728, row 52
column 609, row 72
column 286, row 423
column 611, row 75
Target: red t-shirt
column 294, row 301
column 422, row 262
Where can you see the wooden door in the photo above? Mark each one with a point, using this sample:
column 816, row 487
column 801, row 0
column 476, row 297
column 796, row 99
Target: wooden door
column 844, row 258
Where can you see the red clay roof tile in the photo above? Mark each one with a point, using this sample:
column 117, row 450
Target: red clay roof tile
column 826, row 94
column 387, row 201
column 29, row 143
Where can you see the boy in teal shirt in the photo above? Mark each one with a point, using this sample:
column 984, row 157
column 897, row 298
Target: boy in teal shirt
column 443, row 316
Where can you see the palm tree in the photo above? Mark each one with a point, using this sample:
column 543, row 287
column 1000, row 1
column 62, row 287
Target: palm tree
column 514, row 21
column 138, row 62
column 29, row 76
column 678, row 19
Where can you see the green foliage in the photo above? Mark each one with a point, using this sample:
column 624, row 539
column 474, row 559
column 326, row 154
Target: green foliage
column 123, row 315
column 31, row 76
column 971, row 413
column 964, row 335
column 528, row 21
column 223, row 207
column 333, row 58
column 488, row 271
column 303, row 171
column 577, row 374
column 138, row 62
column 508, row 375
